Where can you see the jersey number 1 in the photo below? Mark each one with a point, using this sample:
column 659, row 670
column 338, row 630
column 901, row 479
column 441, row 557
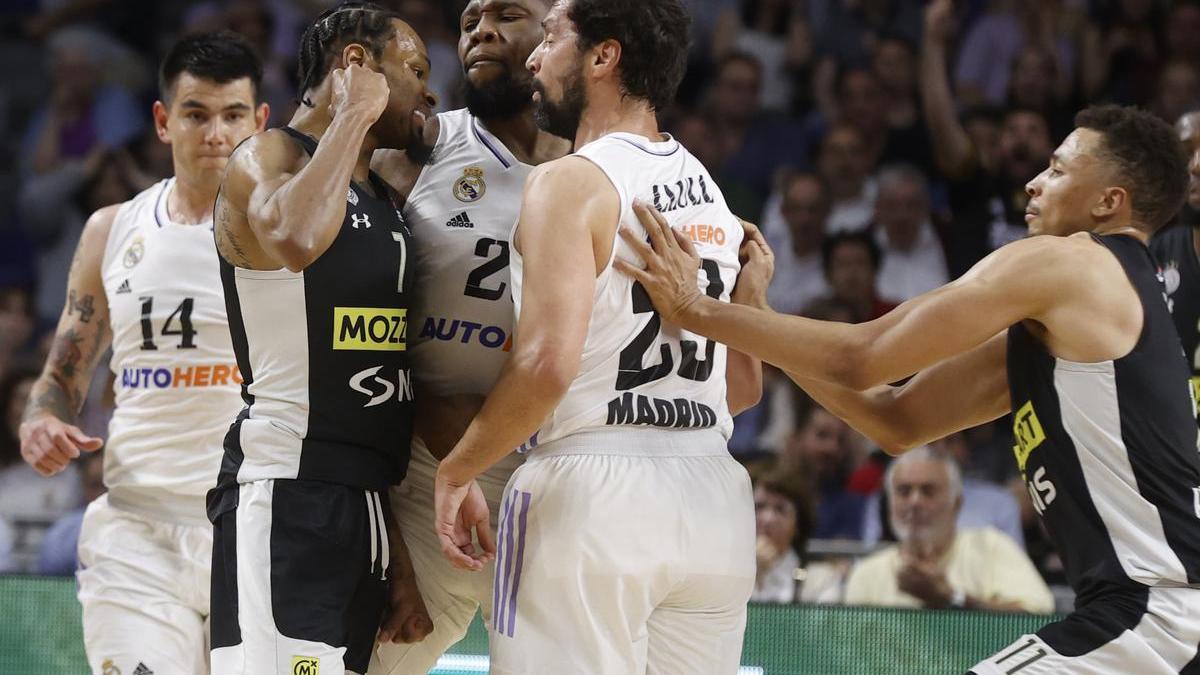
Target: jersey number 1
column 186, row 332
column 631, row 373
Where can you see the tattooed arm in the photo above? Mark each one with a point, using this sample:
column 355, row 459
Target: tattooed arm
column 49, row 438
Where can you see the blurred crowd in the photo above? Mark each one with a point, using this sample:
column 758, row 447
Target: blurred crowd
column 882, row 145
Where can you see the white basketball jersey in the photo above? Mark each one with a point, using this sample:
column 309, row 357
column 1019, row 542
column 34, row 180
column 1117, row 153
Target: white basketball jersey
column 461, row 211
column 177, row 382
column 637, row 370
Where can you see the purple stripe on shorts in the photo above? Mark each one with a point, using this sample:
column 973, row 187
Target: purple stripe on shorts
column 512, row 599
column 505, row 541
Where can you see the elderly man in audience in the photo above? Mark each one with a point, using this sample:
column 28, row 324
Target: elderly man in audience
column 935, row 565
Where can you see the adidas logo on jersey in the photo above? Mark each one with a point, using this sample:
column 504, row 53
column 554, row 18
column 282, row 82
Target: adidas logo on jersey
column 142, row 669
column 461, row 220
column 124, row 287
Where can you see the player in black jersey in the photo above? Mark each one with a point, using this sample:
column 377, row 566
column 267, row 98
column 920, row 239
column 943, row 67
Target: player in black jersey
column 1177, row 249
column 315, row 268
column 1071, row 333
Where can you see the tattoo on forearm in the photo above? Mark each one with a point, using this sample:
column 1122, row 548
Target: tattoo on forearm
column 64, row 383
column 227, row 241
column 86, row 306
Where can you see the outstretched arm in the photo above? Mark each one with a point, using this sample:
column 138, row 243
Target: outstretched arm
column 1006, row 287
column 49, row 437
column 959, row 393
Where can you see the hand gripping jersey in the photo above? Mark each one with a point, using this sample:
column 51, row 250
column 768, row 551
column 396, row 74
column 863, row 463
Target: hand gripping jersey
column 176, row 378
column 637, row 370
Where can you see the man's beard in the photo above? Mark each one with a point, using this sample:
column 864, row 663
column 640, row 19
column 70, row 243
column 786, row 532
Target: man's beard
column 503, row 97
column 562, row 118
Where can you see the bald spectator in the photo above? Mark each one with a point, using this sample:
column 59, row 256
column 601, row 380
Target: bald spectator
column 799, row 274
column 913, row 259
column 935, row 565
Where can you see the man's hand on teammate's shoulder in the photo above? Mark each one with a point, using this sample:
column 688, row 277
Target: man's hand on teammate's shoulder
column 669, row 276
column 460, row 510
column 48, row 444
column 357, row 89
column 758, row 268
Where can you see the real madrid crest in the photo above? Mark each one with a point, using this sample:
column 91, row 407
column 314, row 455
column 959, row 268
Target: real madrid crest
column 133, row 254
column 470, row 187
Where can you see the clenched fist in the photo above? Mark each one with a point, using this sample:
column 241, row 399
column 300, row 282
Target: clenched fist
column 358, row 89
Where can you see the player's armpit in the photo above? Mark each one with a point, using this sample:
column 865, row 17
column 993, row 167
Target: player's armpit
column 959, row 393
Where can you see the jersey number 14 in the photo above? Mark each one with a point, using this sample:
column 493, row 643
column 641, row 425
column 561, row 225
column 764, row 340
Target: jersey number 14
column 185, row 331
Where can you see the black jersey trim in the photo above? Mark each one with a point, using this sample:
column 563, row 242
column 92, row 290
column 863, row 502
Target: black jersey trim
column 1098, row 623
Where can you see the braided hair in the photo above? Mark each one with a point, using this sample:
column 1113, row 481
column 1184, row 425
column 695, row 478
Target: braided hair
column 365, row 23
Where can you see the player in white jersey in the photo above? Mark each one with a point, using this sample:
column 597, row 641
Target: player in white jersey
column 461, row 208
column 145, row 279
column 626, row 539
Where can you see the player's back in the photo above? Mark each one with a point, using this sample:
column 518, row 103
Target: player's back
column 636, row 370
column 176, row 379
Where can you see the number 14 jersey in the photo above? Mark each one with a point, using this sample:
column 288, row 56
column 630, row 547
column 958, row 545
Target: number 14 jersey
column 636, row 369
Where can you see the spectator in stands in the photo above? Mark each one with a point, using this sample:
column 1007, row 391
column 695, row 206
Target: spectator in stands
column 799, row 273
column 984, row 503
column 16, row 327
column 25, row 494
column 913, row 259
column 987, row 189
column 843, row 160
column 83, row 113
column 1178, row 90
column 862, row 103
column 753, row 145
column 783, row 518
column 935, row 565
column 820, row 451
column 56, row 205
column 1183, row 25
column 776, row 35
column 59, row 555
column 894, row 63
column 851, row 261
column 1122, row 51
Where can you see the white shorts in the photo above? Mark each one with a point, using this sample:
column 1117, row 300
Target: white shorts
column 624, row 551
column 1153, row 631
column 144, row 588
column 451, row 595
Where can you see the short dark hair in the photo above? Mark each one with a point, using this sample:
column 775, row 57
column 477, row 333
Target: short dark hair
column 365, row 23
column 859, row 238
column 799, row 491
column 1149, row 158
column 221, row 57
column 654, row 42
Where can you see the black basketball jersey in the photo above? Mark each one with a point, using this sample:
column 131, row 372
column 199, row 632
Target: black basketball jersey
column 323, row 355
column 1108, row 450
column 1176, row 255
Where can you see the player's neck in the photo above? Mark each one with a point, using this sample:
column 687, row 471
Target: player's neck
column 521, row 135
column 629, row 115
column 1123, row 227
column 191, row 200
column 315, row 122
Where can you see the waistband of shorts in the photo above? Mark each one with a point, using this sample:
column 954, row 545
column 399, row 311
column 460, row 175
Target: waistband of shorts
column 636, row 442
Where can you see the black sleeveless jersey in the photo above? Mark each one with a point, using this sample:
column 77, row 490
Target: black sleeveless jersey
column 1175, row 252
column 323, row 355
column 1108, row 450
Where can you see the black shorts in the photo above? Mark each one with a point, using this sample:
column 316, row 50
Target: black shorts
column 298, row 579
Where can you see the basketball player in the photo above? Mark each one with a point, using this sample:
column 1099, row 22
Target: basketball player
column 1070, row 333
column 626, row 538
column 1177, row 250
column 145, row 279
column 461, row 209
column 315, row 266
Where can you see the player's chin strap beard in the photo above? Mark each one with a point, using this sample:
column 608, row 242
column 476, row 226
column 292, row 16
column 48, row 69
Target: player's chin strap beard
column 379, row 537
